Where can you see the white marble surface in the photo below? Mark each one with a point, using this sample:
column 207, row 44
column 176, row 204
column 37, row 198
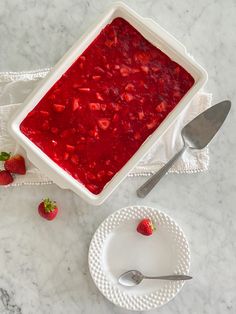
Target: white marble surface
column 43, row 265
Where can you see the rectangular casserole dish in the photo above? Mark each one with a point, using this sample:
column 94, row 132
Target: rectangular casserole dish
column 159, row 38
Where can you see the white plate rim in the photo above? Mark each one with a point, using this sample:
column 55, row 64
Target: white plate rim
column 144, row 302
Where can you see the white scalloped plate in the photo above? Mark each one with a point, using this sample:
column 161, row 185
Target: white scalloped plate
column 117, row 247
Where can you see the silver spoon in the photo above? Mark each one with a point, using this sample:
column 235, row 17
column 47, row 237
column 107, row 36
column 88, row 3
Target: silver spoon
column 196, row 135
column 134, row 277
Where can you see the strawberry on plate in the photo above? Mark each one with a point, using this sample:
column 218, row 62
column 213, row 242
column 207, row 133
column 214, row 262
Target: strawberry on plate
column 146, row 227
column 15, row 164
column 5, row 177
column 48, row 209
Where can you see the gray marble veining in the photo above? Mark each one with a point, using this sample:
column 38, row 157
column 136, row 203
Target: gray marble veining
column 44, row 264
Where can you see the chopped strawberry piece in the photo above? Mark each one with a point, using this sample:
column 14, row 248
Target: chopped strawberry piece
column 58, row 107
column 75, row 159
column 75, row 104
column 129, row 87
column 177, row 94
column 127, row 96
column 116, row 106
column 126, row 126
column 142, row 57
column 82, row 58
column 108, row 162
column 151, row 124
column 115, row 117
column 70, row 148
column 125, row 71
column 161, row 107
column 92, row 165
column 103, row 107
column 44, row 113
column 103, row 123
column 140, row 115
column 54, row 130
column 117, row 67
column 65, row 156
column 96, row 77
column 90, row 176
column 94, row 106
column 135, row 70
column 99, row 96
column 45, row 125
column 137, row 136
column 109, row 74
column 92, row 188
column 177, row 70
column 99, row 69
column 101, row 174
column 155, row 69
column 109, row 43
column 84, row 89
column 94, row 133
column 65, row 133
column 144, row 68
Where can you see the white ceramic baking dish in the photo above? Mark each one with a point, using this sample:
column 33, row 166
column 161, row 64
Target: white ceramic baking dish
column 158, row 37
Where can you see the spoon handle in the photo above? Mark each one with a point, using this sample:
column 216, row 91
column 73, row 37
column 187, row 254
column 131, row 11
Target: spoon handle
column 170, row 277
column 150, row 183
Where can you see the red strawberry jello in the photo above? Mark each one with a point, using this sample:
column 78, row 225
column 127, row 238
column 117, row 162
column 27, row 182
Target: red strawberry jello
column 98, row 114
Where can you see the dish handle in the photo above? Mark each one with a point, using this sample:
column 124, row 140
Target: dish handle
column 168, row 37
column 46, row 170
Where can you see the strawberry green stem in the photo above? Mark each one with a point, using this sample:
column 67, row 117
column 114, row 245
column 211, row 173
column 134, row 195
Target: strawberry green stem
column 4, row 156
column 49, row 205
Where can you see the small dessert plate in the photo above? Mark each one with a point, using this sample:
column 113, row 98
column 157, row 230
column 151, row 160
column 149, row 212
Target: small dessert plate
column 117, row 247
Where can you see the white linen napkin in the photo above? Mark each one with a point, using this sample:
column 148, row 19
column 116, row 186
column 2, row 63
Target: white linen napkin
column 15, row 86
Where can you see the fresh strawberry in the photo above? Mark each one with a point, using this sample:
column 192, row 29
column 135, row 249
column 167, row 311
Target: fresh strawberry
column 5, row 177
column 15, row 164
column 58, row 107
column 103, row 123
column 48, row 209
column 146, row 227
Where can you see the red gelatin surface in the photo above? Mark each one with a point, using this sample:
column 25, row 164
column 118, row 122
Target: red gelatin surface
column 97, row 115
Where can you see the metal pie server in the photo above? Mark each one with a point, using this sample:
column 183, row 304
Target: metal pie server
column 196, row 135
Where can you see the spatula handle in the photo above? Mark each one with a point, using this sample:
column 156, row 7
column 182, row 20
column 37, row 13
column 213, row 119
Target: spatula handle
column 150, row 183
